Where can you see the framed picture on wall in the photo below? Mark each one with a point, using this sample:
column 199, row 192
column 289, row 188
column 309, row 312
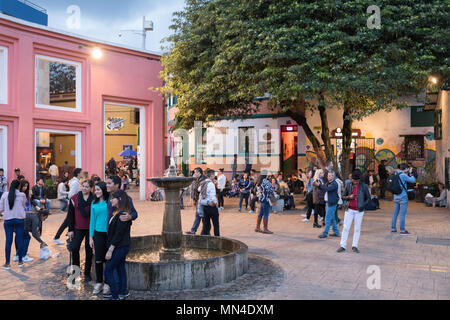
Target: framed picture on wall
column 127, row 147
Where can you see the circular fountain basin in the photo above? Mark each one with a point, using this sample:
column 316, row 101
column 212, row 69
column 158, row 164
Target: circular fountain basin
column 229, row 263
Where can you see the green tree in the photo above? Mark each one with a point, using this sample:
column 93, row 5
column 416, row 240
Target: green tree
column 308, row 55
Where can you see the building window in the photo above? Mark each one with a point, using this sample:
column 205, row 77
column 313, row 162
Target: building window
column 200, row 146
column 438, row 124
column 421, row 117
column 246, row 138
column 3, row 75
column 414, row 147
column 58, row 84
column 172, row 101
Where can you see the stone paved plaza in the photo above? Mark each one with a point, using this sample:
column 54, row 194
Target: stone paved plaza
column 293, row 263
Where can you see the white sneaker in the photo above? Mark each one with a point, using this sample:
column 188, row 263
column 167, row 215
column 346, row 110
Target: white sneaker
column 251, row 211
column 305, row 220
column 16, row 258
column 57, row 241
column 303, row 215
column 97, row 288
column 222, row 208
column 106, row 289
column 27, row 259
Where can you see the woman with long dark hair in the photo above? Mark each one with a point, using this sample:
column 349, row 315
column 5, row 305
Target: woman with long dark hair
column 97, row 233
column 12, row 205
column 265, row 192
column 78, row 222
column 118, row 244
column 25, row 189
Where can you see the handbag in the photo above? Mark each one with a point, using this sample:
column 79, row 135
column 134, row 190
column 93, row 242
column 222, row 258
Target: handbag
column 411, row 194
column 273, row 201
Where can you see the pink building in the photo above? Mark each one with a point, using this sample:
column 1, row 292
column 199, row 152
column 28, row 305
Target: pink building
column 97, row 74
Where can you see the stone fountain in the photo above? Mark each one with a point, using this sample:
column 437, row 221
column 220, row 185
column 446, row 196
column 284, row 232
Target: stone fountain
column 173, row 261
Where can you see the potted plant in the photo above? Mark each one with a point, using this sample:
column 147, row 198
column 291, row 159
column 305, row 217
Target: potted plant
column 51, row 189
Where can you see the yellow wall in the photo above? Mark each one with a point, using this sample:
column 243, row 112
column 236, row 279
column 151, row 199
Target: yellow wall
column 68, row 144
column 114, row 140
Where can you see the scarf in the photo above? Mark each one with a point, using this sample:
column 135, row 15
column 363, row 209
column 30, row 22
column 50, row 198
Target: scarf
column 82, row 204
column 203, row 187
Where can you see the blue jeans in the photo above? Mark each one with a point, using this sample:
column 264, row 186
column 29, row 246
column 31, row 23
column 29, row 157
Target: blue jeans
column 25, row 244
column 11, row 226
column 64, row 203
column 196, row 223
column 181, row 202
column 400, row 205
column 39, row 204
column 117, row 283
column 330, row 219
column 264, row 209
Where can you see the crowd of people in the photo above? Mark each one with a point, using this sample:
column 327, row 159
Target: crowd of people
column 100, row 213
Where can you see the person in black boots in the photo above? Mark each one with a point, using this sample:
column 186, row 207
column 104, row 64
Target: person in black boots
column 319, row 201
column 78, row 223
column 118, row 244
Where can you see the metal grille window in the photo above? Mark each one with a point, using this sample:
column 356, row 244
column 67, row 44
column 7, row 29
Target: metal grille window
column 246, row 140
column 414, row 147
column 200, row 146
column 438, row 124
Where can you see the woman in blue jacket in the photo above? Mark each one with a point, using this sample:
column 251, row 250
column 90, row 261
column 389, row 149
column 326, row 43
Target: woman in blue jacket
column 332, row 199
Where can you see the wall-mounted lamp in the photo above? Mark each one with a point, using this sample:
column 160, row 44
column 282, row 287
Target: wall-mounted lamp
column 96, row 52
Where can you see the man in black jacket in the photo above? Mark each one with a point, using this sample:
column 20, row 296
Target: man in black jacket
column 39, row 197
column 195, row 193
column 383, row 174
column 358, row 196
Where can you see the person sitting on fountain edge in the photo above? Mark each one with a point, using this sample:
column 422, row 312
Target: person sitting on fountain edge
column 113, row 184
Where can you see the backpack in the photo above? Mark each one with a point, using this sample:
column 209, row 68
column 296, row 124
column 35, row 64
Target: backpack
column 394, row 184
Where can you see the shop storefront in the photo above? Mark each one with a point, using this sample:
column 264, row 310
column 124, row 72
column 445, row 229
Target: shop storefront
column 55, row 104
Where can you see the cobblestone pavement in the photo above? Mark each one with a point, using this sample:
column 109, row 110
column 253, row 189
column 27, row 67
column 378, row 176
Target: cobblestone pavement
column 292, row 263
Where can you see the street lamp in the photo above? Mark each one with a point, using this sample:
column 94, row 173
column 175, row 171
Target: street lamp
column 147, row 25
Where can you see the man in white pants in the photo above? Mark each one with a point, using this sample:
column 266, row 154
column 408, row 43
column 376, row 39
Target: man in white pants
column 358, row 195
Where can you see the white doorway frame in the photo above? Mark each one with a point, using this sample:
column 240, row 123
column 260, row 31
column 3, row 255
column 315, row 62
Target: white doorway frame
column 142, row 140
column 4, row 152
column 77, row 145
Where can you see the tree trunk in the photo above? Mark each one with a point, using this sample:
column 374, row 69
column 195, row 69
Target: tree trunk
column 346, row 142
column 301, row 121
column 326, row 132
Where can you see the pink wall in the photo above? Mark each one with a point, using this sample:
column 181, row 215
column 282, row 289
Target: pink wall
column 120, row 76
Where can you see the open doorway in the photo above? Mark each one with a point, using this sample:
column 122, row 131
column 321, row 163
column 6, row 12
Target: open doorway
column 124, row 153
column 59, row 147
column 289, row 137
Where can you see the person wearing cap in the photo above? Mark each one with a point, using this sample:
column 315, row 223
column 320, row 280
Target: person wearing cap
column 221, row 182
column 358, row 195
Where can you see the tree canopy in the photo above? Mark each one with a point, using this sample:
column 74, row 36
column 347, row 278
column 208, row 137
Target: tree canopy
column 224, row 53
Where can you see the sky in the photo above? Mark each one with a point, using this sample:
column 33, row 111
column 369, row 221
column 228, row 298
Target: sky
column 104, row 19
